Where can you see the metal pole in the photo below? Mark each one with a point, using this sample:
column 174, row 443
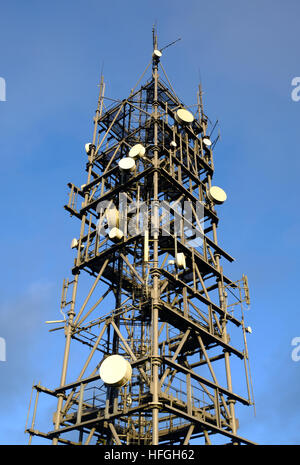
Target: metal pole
column 225, row 338
column 71, row 315
column 155, row 272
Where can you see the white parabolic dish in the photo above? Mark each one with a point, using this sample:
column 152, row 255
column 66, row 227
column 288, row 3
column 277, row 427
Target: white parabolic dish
column 217, row 195
column 115, row 370
column 74, row 243
column 180, row 260
column 184, row 116
column 157, row 53
column 88, row 147
column 112, row 216
column 115, row 234
column 207, row 141
column 137, row 150
column 127, row 164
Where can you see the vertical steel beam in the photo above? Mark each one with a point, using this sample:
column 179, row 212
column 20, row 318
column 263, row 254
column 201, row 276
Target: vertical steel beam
column 155, row 272
column 69, row 328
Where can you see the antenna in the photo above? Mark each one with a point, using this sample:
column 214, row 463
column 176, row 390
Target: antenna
column 216, row 140
column 169, row 45
column 200, row 101
column 154, row 35
column 214, row 127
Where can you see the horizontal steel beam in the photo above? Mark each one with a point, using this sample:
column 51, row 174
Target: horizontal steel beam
column 205, row 381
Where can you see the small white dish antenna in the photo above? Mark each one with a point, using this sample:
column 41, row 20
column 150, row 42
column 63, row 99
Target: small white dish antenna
column 116, row 234
column 184, row 116
column 180, row 260
column 127, row 164
column 115, row 371
column 217, row 195
column 206, row 141
column 74, row 243
column 112, row 215
column 157, row 53
column 88, row 147
column 137, row 150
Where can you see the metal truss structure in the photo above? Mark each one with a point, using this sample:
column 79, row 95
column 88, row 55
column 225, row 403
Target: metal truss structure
column 158, row 295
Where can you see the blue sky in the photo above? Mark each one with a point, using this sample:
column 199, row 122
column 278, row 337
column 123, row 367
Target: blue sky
column 247, row 55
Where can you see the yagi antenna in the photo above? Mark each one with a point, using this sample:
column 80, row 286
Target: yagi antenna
column 216, row 140
column 214, row 127
column 169, row 45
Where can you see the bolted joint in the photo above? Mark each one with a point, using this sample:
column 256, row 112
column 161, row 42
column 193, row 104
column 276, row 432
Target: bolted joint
column 156, row 361
column 155, row 272
column 71, row 312
column 226, row 351
column 158, row 405
column 156, row 148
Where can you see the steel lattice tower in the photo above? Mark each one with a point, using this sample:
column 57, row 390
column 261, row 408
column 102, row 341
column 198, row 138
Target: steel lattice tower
column 158, row 295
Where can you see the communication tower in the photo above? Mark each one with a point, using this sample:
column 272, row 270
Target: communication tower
column 161, row 325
